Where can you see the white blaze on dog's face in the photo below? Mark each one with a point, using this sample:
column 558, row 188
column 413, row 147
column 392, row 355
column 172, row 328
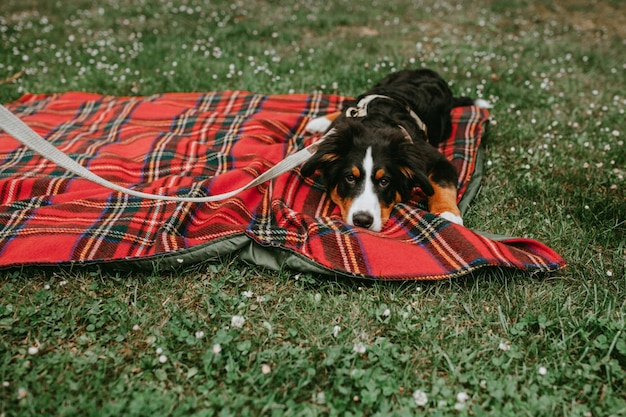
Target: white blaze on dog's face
column 365, row 210
column 365, row 193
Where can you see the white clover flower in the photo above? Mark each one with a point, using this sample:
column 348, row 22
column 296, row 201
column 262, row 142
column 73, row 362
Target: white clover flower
column 420, row 397
column 247, row 294
column 22, row 393
column 159, row 351
column 462, row 397
column 199, row 334
column 319, row 398
column 336, row 331
column 237, row 322
column 504, row 346
column 542, row 370
column 387, row 312
column 136, row 327
column 33, row 350
column 265, row 369
column 359, row 347
column 217, row 348
column 162, row 359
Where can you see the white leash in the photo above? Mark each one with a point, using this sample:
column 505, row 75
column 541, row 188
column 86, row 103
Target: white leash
column 20, row 131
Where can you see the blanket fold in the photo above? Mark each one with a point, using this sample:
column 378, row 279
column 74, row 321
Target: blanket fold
column 207, row 143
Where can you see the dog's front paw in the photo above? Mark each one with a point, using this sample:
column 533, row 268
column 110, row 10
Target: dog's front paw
column 452, row 217
column 318, row 125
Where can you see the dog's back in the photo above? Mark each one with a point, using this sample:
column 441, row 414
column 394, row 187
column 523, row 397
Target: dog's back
column 424, row 92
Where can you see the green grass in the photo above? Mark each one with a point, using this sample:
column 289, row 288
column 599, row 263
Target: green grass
column 129, row 344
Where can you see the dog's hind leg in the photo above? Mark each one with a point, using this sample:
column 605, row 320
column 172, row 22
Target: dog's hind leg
column 321, row 124
column 443, row 178
column 443, row 203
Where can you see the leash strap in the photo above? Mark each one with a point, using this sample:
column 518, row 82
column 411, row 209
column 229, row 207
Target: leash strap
column 24, row 134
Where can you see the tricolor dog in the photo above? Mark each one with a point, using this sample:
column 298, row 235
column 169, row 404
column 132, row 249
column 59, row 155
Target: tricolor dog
column 382, row 145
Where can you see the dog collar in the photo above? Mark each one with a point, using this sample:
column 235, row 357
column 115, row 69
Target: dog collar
column 361, row 110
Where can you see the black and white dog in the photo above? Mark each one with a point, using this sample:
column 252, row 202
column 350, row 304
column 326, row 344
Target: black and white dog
column 382, row 146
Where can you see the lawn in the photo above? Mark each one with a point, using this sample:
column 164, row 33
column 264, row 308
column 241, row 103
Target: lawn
column 225, row 338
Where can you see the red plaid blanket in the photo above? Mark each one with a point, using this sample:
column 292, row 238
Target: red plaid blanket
column 199, row 144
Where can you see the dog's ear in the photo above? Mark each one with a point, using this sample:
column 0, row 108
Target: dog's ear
column 332, row 146
column 328, row 151
column 416, row 177
column 318, row 160
column 412, row 168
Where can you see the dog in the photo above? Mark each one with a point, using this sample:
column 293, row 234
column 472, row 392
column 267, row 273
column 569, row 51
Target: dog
column 380, row 147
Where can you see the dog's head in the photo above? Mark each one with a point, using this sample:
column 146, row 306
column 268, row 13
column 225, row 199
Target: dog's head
column 368, row 170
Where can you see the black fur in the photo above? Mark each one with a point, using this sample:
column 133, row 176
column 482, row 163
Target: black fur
column 424, row 92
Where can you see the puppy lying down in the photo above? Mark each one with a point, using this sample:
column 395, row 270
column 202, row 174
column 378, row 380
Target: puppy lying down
column 383, row 145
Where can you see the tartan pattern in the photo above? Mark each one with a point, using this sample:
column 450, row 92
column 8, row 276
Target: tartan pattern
column 209, row 143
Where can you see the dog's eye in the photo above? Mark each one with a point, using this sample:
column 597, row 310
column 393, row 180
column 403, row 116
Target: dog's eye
column 350, row 179
column 383, row 182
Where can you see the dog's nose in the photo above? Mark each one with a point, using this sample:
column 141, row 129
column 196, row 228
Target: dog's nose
column 363, row 219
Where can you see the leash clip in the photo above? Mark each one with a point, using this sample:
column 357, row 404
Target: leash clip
column 361, row 110
column 354, row 112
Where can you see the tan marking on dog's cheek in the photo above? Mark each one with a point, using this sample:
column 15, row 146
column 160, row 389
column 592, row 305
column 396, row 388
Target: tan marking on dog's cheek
column 385, row 213
column 385, row 210
column 343, row 203
column 443, row 199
